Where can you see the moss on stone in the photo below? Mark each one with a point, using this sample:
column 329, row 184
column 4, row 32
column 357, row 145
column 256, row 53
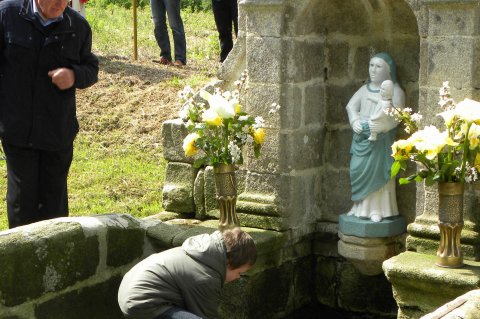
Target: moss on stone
column 360, row 293
column 162, row 234
column 95, row 302
column 418, row 283
column 325, row 281
column 50, row 259
column 124, row 245
column 269, row 291
column 263, row 222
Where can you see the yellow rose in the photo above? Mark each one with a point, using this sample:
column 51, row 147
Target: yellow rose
column 473, row 136
column 259, row 135
column 238, row 108
column 477, row 161
column 402, row 148
column 211, row 118
column 189, row 144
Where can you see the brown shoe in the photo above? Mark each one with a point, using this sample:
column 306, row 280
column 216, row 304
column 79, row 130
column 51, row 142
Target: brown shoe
column 179, row 63
column 163, row 61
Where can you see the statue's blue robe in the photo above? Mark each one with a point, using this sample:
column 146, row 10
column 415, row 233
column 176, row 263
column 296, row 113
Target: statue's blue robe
column 371, row 162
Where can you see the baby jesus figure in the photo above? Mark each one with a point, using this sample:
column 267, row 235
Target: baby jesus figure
column 386, row 92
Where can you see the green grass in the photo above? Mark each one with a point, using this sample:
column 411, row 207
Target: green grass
column 115, row 179
column 118, row 166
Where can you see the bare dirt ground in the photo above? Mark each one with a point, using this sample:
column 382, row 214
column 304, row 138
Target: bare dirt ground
column 132, row 98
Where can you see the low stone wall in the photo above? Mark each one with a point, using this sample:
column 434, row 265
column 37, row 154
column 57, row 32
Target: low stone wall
column 68, row 267
column 72, row 267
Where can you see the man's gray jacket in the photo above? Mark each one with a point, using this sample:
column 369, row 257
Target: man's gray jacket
column 189, row 277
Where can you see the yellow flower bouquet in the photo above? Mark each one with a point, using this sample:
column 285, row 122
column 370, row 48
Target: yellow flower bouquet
column 451, row 155
column 219, row 129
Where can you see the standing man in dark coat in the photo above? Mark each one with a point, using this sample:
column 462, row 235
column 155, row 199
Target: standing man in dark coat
column 225, row 13
column 45, row 55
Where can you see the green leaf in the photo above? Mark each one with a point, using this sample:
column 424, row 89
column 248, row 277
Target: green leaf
column 395, row 169
column 256, row 149
column 429, row 181
column 199, row 162
column 403, row 181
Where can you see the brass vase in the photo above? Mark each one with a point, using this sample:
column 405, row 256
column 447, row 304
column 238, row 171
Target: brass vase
column 226, row 195
column 450, row 222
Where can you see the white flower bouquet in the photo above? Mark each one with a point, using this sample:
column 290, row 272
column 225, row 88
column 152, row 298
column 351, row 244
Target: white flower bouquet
column 451, row 155
column 219, row 129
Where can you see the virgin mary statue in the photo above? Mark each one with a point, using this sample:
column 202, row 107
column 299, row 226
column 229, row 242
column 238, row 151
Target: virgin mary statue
column 373, row 192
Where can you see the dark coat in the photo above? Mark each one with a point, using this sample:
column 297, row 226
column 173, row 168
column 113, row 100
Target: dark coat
column 33, row 111
column 189, row 277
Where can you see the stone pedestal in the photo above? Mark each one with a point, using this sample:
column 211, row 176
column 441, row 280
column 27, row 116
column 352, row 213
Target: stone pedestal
column 367, row 244
column 420, row 287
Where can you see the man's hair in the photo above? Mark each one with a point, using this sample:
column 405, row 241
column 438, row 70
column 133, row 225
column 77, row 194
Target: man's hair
column 240, row 246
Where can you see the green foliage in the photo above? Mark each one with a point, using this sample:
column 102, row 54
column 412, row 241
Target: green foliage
column 196, row 5
column 127, row 4
column 193, row 5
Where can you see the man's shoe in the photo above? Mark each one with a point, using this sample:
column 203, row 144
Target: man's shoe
column 179, row 63
column 163, row 61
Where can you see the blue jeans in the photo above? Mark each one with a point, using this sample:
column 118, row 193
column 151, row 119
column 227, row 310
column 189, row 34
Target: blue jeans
column 160, row 10
column 177, row 313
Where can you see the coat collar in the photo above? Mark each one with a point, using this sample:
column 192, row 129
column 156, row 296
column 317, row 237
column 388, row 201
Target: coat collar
column 65, row 25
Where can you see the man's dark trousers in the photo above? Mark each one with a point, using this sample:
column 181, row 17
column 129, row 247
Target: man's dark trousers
column 37, row 183
column 225, row 13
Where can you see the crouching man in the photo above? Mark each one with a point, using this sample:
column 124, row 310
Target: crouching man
column 185, row 282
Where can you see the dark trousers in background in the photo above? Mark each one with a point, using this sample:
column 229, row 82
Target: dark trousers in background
column 225, row 13
column 36, row 184
column 161, row 9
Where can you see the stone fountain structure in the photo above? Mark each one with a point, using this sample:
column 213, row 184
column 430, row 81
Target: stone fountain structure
column 310, row 57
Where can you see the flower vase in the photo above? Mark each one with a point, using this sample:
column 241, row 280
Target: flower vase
column 226, row 195
column 450, row 222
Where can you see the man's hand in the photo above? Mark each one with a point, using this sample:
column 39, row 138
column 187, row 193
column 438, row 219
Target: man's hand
column 63, row 78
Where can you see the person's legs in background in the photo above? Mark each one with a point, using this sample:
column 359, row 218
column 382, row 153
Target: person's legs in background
column 223, row 21
column 160, row 30
column 36, row 184
column 22, row 185
column 178, row 32
column 53, row 195
column 234, row 14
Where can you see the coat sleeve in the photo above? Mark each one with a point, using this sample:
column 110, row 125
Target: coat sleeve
column 86, row 72
column 205, row 300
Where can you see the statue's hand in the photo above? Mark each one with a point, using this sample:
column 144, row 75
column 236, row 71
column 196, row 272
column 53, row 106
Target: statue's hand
column 357, row 127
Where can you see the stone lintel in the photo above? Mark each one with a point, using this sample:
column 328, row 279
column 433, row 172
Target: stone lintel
column 361, row 227
column 421, row 287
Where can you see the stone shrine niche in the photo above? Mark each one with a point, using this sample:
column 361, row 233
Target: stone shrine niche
column 327, row 46
column 310, row 57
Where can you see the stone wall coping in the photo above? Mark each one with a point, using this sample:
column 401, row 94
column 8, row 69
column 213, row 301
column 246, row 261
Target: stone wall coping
column 422, row 268
column 173, row 233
